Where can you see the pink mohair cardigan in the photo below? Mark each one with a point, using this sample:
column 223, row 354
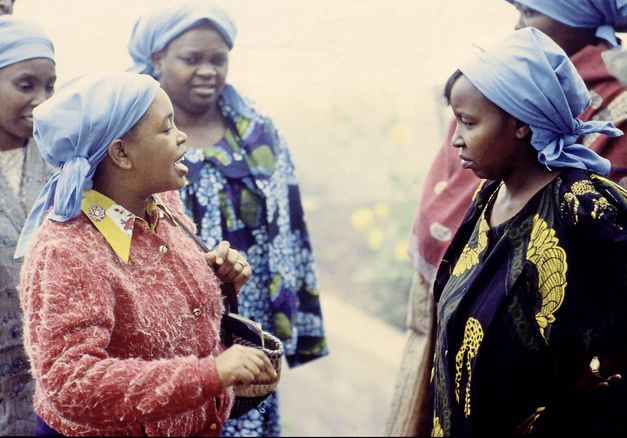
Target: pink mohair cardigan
column 123, row 348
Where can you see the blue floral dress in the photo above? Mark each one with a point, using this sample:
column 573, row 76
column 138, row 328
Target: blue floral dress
column 243, row 190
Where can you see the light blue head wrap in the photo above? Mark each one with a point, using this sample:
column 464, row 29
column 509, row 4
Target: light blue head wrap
column 531, row 78
column 21, row 40
column 603, row 15
column 153, row 32
column 73, row 130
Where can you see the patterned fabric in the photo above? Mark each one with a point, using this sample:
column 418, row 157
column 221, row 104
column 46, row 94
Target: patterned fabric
column 16, row 383
column 608, row 102
column 523, row 307
column 12, row 165
column 118, row 348
column 243, row 190
column 116, row 223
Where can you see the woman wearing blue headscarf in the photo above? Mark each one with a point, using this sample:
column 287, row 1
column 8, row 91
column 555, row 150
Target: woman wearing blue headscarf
column 585, row 29
column 27, row 77
column 122, row 313
column 242, row 183
column 531, row 303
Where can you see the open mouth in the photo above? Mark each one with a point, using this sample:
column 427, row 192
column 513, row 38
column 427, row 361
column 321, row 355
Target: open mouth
column 178, row 165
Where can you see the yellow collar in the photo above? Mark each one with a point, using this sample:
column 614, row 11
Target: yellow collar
column 115, row 222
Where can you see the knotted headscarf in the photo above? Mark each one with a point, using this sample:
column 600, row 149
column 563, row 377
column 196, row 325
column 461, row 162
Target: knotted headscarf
column 73, row 130
column 531, row 78
column 153, row 32
column 21, row 40
column 604, row 15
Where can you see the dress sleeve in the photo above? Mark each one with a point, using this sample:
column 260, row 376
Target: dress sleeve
column 592, row 320
column 597, row 221
column 70, row 312
column 301, row 328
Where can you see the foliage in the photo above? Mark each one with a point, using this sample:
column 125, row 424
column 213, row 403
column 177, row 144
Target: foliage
column 384, row 228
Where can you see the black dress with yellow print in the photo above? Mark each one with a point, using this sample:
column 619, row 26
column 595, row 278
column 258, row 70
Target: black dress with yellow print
column 524, row 306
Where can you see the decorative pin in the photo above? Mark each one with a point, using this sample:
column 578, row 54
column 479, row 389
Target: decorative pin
column 96, row 213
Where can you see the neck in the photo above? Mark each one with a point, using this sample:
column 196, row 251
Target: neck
column 9, row 142
column 527, row 179
column 115, row 186
column 185, row 119
column 202, row 130
column 525, row 184
column 576, row 39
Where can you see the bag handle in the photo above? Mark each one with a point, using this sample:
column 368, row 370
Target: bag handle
column 229, row 295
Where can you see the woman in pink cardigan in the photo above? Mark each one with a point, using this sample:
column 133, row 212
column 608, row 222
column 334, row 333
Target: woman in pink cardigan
column 122, row 313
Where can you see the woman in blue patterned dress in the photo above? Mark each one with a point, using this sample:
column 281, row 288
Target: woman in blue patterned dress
column 242, row 187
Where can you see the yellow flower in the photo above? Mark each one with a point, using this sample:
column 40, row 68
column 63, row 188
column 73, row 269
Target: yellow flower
column 382, row 210
column 398, row 133
column 401, row 252
column 375, row 238
column 362, row 218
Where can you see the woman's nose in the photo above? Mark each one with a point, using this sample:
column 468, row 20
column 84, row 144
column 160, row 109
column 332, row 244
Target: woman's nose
column 520, row 24
column 182, row 138
column 41, row 95
column 457, row 140
column 206, row 69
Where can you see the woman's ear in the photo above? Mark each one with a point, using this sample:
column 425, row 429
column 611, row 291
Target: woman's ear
column 157, row 60
column 118, row 155
column 522, row 130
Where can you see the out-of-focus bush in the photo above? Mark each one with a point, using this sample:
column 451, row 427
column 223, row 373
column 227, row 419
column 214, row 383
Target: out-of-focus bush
column 386, row 272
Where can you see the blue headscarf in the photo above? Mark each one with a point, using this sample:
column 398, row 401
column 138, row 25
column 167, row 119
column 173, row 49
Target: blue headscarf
column 21, row 40
column 153, row 32
column 73, row 130
column 531, row 78
column 602, row 15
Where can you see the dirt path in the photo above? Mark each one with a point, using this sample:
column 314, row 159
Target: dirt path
column 348, row 392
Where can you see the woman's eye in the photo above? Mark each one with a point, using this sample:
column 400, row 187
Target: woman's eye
column 218, row 62
column 25, row 86
column 191, row 61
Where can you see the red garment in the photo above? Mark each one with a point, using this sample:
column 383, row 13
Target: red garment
column 608, row 102
column 448, row 188
column 121, row 348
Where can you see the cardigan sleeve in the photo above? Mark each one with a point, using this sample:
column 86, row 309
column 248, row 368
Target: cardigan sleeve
column 69, row 311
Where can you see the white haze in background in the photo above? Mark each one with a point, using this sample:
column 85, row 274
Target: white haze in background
column 352, row 84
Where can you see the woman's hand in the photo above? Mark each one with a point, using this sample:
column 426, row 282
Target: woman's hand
column 593, row 379
column 230, row 265
column 244, row 365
